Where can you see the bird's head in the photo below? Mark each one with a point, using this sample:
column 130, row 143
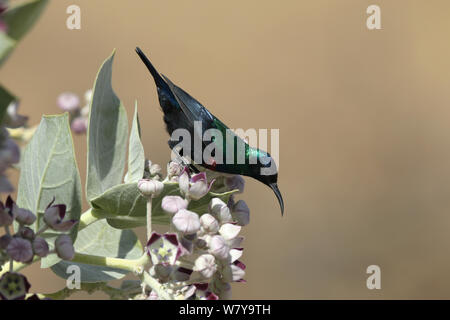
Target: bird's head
column 265, row 170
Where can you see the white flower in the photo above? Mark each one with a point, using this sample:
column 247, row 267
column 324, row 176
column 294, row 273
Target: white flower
column 174, row 169
column 68, row 101
column 195, row 187
column 163, row 249
column 206, row 265
column 172, row 204
column 229, row 231
column 219, row 247
column 220, row 210
column 186, row 221
column 209, row 223
column 235, row 254
column 150, row 187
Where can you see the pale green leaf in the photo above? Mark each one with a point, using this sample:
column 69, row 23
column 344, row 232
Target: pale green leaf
column 136, row 155
column 100, row 239
column 107, row 135
column 126, row 207
column 22, row 17
column 6, row 46
column 49, row 171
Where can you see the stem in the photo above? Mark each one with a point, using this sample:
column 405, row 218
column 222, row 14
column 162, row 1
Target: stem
column 89, row 217
column 43, row 229
column 149, row 217
column 156, row 286
column 123, row 264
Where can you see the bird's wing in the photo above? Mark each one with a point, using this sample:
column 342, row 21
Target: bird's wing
column 193, row 109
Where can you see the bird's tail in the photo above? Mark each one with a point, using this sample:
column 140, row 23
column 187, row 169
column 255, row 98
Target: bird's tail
column 156, row 76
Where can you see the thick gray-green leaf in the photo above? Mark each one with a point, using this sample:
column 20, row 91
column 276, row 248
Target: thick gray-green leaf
column 49, row 170
column 107, row 135
column 102, row 240
column 6, row 46
column 126, row 207
column 136, row 155
column 22, row 17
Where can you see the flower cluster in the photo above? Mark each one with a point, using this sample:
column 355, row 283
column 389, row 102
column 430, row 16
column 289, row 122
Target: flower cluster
column 199, row 257
column 25, row 244
column 79, row 116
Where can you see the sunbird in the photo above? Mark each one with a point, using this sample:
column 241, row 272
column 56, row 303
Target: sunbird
column 182, row 111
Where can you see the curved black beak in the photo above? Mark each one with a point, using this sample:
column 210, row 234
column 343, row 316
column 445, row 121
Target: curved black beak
column 277, row 192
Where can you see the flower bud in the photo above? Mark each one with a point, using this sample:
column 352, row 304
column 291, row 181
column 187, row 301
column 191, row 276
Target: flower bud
column 199, row 186
column 206, row 265
column 174, row 169
column 54, row 214
column 150, row 188
column 24, row 216
column 241, row 213
column 6, row 217
column 85, row 111
column 79, row 125
column 40, row 247
column 183, row 182
column 4, row 241
column 186, row 221
column 88, row 95
column 235, row 183
column 220, row 210
column 26, row 233
column 155, row 169
column 20, row 250
column 172, row 204
column 236, row 254
column 229, row 231
column 209, row 223
column 64, row 247
column 218, row 247
column 68, row 101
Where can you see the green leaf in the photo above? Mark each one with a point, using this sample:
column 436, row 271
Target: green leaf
column 126, row 207
column 107, row 135
column 5, row 99
column 100, row 239
column 6, row 46
column 49, row 171
column 19, row 20
column 136, row 155
column 22, row 17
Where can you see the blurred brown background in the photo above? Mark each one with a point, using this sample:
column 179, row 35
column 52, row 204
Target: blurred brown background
column 364, row 120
